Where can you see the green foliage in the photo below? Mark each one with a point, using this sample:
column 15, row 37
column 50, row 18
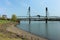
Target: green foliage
column 4, row 21
column 14, row 18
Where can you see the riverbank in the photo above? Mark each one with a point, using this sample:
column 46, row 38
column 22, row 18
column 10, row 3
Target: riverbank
column 23, row 34
column 11, row 32
column 6, row 35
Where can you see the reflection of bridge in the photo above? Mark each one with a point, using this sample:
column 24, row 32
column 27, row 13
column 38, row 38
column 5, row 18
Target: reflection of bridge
column 36, row 18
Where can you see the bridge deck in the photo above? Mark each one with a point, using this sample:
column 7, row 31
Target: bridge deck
column 39, row 19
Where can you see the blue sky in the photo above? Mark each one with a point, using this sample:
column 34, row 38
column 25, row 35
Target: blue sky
column 19, row 7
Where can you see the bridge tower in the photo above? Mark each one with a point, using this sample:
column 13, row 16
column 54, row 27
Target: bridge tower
column 46, row 22
column 29, row 18
column 46, row 14
column 29, row 14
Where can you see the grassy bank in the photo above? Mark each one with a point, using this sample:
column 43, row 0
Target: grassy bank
column 4, row 21
column 4, row 35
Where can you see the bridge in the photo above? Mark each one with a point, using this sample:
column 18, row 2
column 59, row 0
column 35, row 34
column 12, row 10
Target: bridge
column 36, row 18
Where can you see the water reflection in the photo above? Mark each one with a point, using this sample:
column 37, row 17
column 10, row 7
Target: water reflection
column 39, row 28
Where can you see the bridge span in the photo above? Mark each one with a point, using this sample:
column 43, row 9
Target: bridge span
column 42, row 18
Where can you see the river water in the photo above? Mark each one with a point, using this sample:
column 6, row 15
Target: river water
column 39, row 28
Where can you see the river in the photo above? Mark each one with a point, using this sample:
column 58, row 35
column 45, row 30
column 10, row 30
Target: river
column 39, row 28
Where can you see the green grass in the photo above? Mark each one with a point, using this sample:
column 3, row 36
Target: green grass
column 4, row 21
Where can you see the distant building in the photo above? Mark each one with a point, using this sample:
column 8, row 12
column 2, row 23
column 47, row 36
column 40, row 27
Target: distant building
column 4, row 16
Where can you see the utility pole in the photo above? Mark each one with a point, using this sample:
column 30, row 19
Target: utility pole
column 46, row 22
column 29, row 18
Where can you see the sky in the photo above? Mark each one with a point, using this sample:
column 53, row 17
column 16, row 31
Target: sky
column 20, row 7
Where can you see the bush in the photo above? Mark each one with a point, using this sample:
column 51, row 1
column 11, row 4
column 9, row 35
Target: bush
column 14, row 17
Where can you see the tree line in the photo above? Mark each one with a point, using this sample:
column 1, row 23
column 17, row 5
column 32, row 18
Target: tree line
column 13, row 17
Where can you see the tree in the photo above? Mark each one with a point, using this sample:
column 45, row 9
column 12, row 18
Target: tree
column 14, row 17
column 38, row 15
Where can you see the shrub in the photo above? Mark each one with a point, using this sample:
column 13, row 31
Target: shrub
column 14, row 17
